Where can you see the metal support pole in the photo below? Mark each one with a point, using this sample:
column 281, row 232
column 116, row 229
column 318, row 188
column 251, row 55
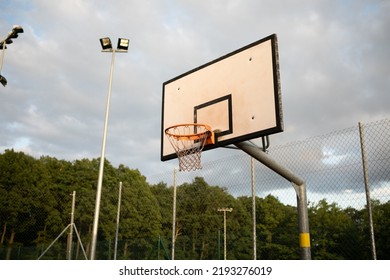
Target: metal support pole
column 101, row 167
column 70, row 237
column 303, row 222
column 117, row 219
column 174, row 215
column 224, row 210
column 254, row 208
column 300, row 188
column 54, row 241
column 367, row 188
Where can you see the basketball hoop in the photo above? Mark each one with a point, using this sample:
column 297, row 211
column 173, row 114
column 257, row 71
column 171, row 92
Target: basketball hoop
column 188, row 140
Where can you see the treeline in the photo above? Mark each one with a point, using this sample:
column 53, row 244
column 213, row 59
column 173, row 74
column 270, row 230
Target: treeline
column 35, row 206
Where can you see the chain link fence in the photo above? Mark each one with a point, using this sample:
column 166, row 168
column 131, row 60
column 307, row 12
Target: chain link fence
column 330, row 164
column 332, row 168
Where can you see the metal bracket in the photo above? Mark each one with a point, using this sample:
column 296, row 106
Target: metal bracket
column 264, row 140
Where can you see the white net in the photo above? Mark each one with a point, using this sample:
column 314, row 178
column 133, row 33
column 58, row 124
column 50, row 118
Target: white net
column 188, row 141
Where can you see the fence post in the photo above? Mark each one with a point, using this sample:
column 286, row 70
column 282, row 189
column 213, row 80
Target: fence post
column 367, row 188
column 174, row 216
column 70, row 236
column 254, row 208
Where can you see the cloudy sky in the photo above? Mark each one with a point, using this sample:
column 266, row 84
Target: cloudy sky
column 334, row 67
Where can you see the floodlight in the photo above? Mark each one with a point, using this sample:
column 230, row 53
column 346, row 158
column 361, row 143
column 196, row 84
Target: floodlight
column 17, row 29
column 123, row 44
column 7, row 41
column 12, row 35
column 3, row 81
column 106, row 43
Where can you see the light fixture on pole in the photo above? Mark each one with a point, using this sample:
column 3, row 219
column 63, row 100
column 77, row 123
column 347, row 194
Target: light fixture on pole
column 13, row 34
column 123, row 45
column 106, row 44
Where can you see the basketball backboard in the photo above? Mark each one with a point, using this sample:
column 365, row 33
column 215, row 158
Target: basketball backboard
column 238, row 95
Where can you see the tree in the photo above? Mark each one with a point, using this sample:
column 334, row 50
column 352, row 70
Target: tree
column 330, row 227
column 140, row 224
column 25, row 198
column 35, row 206
column 276, row 228
column 201, row 224
column 164, row 196
column 382, row 230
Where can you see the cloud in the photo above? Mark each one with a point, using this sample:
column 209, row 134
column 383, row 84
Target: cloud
column 333, row 59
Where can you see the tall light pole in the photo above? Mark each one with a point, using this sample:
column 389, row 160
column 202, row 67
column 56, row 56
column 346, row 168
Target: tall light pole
column 13, row 34
column 123, row 45
column 224, row 210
